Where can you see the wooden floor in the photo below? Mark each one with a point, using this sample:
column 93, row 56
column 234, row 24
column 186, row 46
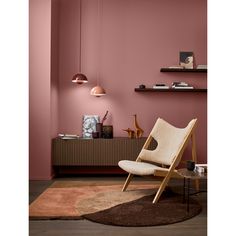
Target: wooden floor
column 196, row 226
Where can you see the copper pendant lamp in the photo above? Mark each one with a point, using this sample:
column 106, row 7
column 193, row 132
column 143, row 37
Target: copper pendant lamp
column 80, row 78
column 99, row 91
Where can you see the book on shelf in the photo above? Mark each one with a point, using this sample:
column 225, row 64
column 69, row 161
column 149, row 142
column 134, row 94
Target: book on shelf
column 68, row 136
column 182, row 87
column 201, row 66
column 160, row 86
column 175, row 67
column 179, row 84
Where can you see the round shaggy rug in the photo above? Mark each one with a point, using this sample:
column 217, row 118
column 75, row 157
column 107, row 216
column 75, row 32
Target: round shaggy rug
column 141, row 212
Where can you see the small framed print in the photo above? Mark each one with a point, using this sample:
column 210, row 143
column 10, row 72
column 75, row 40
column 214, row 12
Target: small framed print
column 89, row 125
column 186, row 59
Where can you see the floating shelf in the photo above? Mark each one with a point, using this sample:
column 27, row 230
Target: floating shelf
column 183, row 70
column 171, row 90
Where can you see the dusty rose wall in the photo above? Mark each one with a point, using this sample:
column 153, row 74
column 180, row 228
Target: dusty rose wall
column 138, row 38
column 39, row 89
column 54, row 67
column 54, row 122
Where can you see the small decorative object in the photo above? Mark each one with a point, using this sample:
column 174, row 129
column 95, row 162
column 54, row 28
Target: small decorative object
column 99, row 129
column 99, row 126
column 95, row 134
column 201, row 168
column 131, row 133
column 89, row 125
column 104, row 117
column 107, row 131
column 190, row 165
column 139, row 132
column 142, row 86
column 186, row 60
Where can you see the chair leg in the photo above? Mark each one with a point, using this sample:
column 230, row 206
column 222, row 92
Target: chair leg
column 127, row 182
column 161, row 188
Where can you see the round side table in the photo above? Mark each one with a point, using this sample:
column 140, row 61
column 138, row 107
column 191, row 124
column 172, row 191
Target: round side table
column 190, row 175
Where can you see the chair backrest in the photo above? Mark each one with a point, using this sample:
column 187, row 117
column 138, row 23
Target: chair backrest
column 171, row 142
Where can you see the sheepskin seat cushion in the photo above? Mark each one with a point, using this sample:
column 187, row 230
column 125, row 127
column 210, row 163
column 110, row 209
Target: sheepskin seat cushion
column 139, row 168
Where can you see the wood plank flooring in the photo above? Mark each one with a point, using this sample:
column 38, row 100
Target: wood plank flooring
column 196, row 226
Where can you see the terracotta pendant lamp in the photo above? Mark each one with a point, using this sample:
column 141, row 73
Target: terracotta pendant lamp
column 98, row 91
column 80, row 78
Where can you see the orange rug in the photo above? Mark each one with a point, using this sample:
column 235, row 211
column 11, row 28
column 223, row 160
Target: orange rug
column 71, row 199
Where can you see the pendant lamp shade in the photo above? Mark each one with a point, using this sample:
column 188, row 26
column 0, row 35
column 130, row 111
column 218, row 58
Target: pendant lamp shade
column 79, row 79
column 98, row 91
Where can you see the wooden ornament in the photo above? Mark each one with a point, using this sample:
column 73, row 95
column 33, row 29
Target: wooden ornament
column 131, row 133
column 139, row 131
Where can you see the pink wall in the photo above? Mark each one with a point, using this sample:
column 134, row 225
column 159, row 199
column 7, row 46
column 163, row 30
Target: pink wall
column 54, row 67
column 138, row 38
column 54, row 122
column 39, row 85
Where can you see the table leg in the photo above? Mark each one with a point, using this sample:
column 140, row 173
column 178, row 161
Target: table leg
column 188, row 186
column 184, row 191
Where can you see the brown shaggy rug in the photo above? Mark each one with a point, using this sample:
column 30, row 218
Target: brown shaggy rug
column 106, row 204
column 142, row 212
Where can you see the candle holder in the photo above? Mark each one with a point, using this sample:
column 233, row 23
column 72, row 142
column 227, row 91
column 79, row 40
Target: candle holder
column 95, row 135
column 99, row 129
column 107, row 131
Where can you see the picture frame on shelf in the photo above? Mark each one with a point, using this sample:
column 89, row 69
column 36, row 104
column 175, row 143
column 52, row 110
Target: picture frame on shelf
column 186, row 59
column 89, row 125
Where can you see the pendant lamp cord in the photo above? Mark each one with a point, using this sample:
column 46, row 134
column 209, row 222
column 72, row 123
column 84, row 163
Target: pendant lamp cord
column 99, row 40
column 80, row 37
column 73, row 14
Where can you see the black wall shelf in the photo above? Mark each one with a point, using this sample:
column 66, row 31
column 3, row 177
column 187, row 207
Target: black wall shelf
column 183, row 70
column 171, row 90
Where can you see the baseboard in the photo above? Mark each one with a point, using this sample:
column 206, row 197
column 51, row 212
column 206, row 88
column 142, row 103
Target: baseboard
column 59, row 170
column 42, row 177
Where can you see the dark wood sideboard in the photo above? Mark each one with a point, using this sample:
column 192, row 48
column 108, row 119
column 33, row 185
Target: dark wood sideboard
column 94, row 155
